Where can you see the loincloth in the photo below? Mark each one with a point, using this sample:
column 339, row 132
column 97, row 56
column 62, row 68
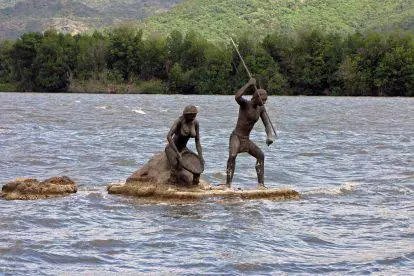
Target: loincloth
column 244, row 141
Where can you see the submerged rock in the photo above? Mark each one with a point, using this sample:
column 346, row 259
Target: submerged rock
column 153, row 181
column 31, row 188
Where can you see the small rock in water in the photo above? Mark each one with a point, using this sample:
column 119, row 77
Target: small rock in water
column 31, row 188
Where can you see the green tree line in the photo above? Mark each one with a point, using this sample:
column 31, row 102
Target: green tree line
column 310, row 62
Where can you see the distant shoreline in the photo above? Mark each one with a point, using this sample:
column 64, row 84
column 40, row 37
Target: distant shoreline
column 122, row 61
column 167, row 94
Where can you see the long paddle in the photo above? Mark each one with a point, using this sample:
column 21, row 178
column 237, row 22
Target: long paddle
column 255, row 88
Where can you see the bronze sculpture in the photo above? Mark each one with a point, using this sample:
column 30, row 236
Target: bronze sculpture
column 249, row 113
column 181, row 159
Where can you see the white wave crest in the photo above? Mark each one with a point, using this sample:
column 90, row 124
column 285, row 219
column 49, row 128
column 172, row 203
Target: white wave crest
column 347, row 187
column 139, row 111
column 105, row 106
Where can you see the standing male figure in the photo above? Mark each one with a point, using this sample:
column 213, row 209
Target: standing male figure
column 249, row 113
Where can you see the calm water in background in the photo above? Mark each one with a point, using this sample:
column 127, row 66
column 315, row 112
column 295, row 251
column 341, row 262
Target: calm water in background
column 352, row 159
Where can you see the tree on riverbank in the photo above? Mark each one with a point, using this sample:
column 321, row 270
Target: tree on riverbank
column 309, row 62
column 380, row 66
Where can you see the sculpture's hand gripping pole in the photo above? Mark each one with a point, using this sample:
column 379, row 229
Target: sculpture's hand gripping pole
column 255, row 88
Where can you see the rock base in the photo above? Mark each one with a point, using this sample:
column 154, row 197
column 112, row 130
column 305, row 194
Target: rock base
column 174, row 193
column 152, row 181
column 31, row 188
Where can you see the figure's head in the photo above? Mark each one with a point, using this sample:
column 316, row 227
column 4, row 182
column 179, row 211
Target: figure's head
column 190, row 113
column 263, row 96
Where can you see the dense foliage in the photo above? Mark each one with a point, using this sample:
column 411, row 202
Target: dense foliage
column 214, row 19
column 306, row 63
column 217, row 19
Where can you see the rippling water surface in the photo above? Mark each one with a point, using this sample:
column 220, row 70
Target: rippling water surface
column 352, row 159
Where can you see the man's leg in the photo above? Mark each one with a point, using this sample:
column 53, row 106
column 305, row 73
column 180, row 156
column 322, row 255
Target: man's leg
column 258, row 154
column 234, row 146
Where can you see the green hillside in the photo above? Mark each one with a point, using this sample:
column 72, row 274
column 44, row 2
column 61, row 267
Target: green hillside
column 216, row 19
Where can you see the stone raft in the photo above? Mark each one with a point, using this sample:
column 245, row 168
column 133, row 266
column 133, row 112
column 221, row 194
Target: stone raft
column 152, row 181
column 31, row 188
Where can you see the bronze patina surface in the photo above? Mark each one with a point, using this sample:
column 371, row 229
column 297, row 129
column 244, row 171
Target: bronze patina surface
column 249, row 113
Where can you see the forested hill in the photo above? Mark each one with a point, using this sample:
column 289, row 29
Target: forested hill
column 216, row 19
column 74, row 16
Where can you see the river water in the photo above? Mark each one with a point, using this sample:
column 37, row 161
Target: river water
column 352, row 160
